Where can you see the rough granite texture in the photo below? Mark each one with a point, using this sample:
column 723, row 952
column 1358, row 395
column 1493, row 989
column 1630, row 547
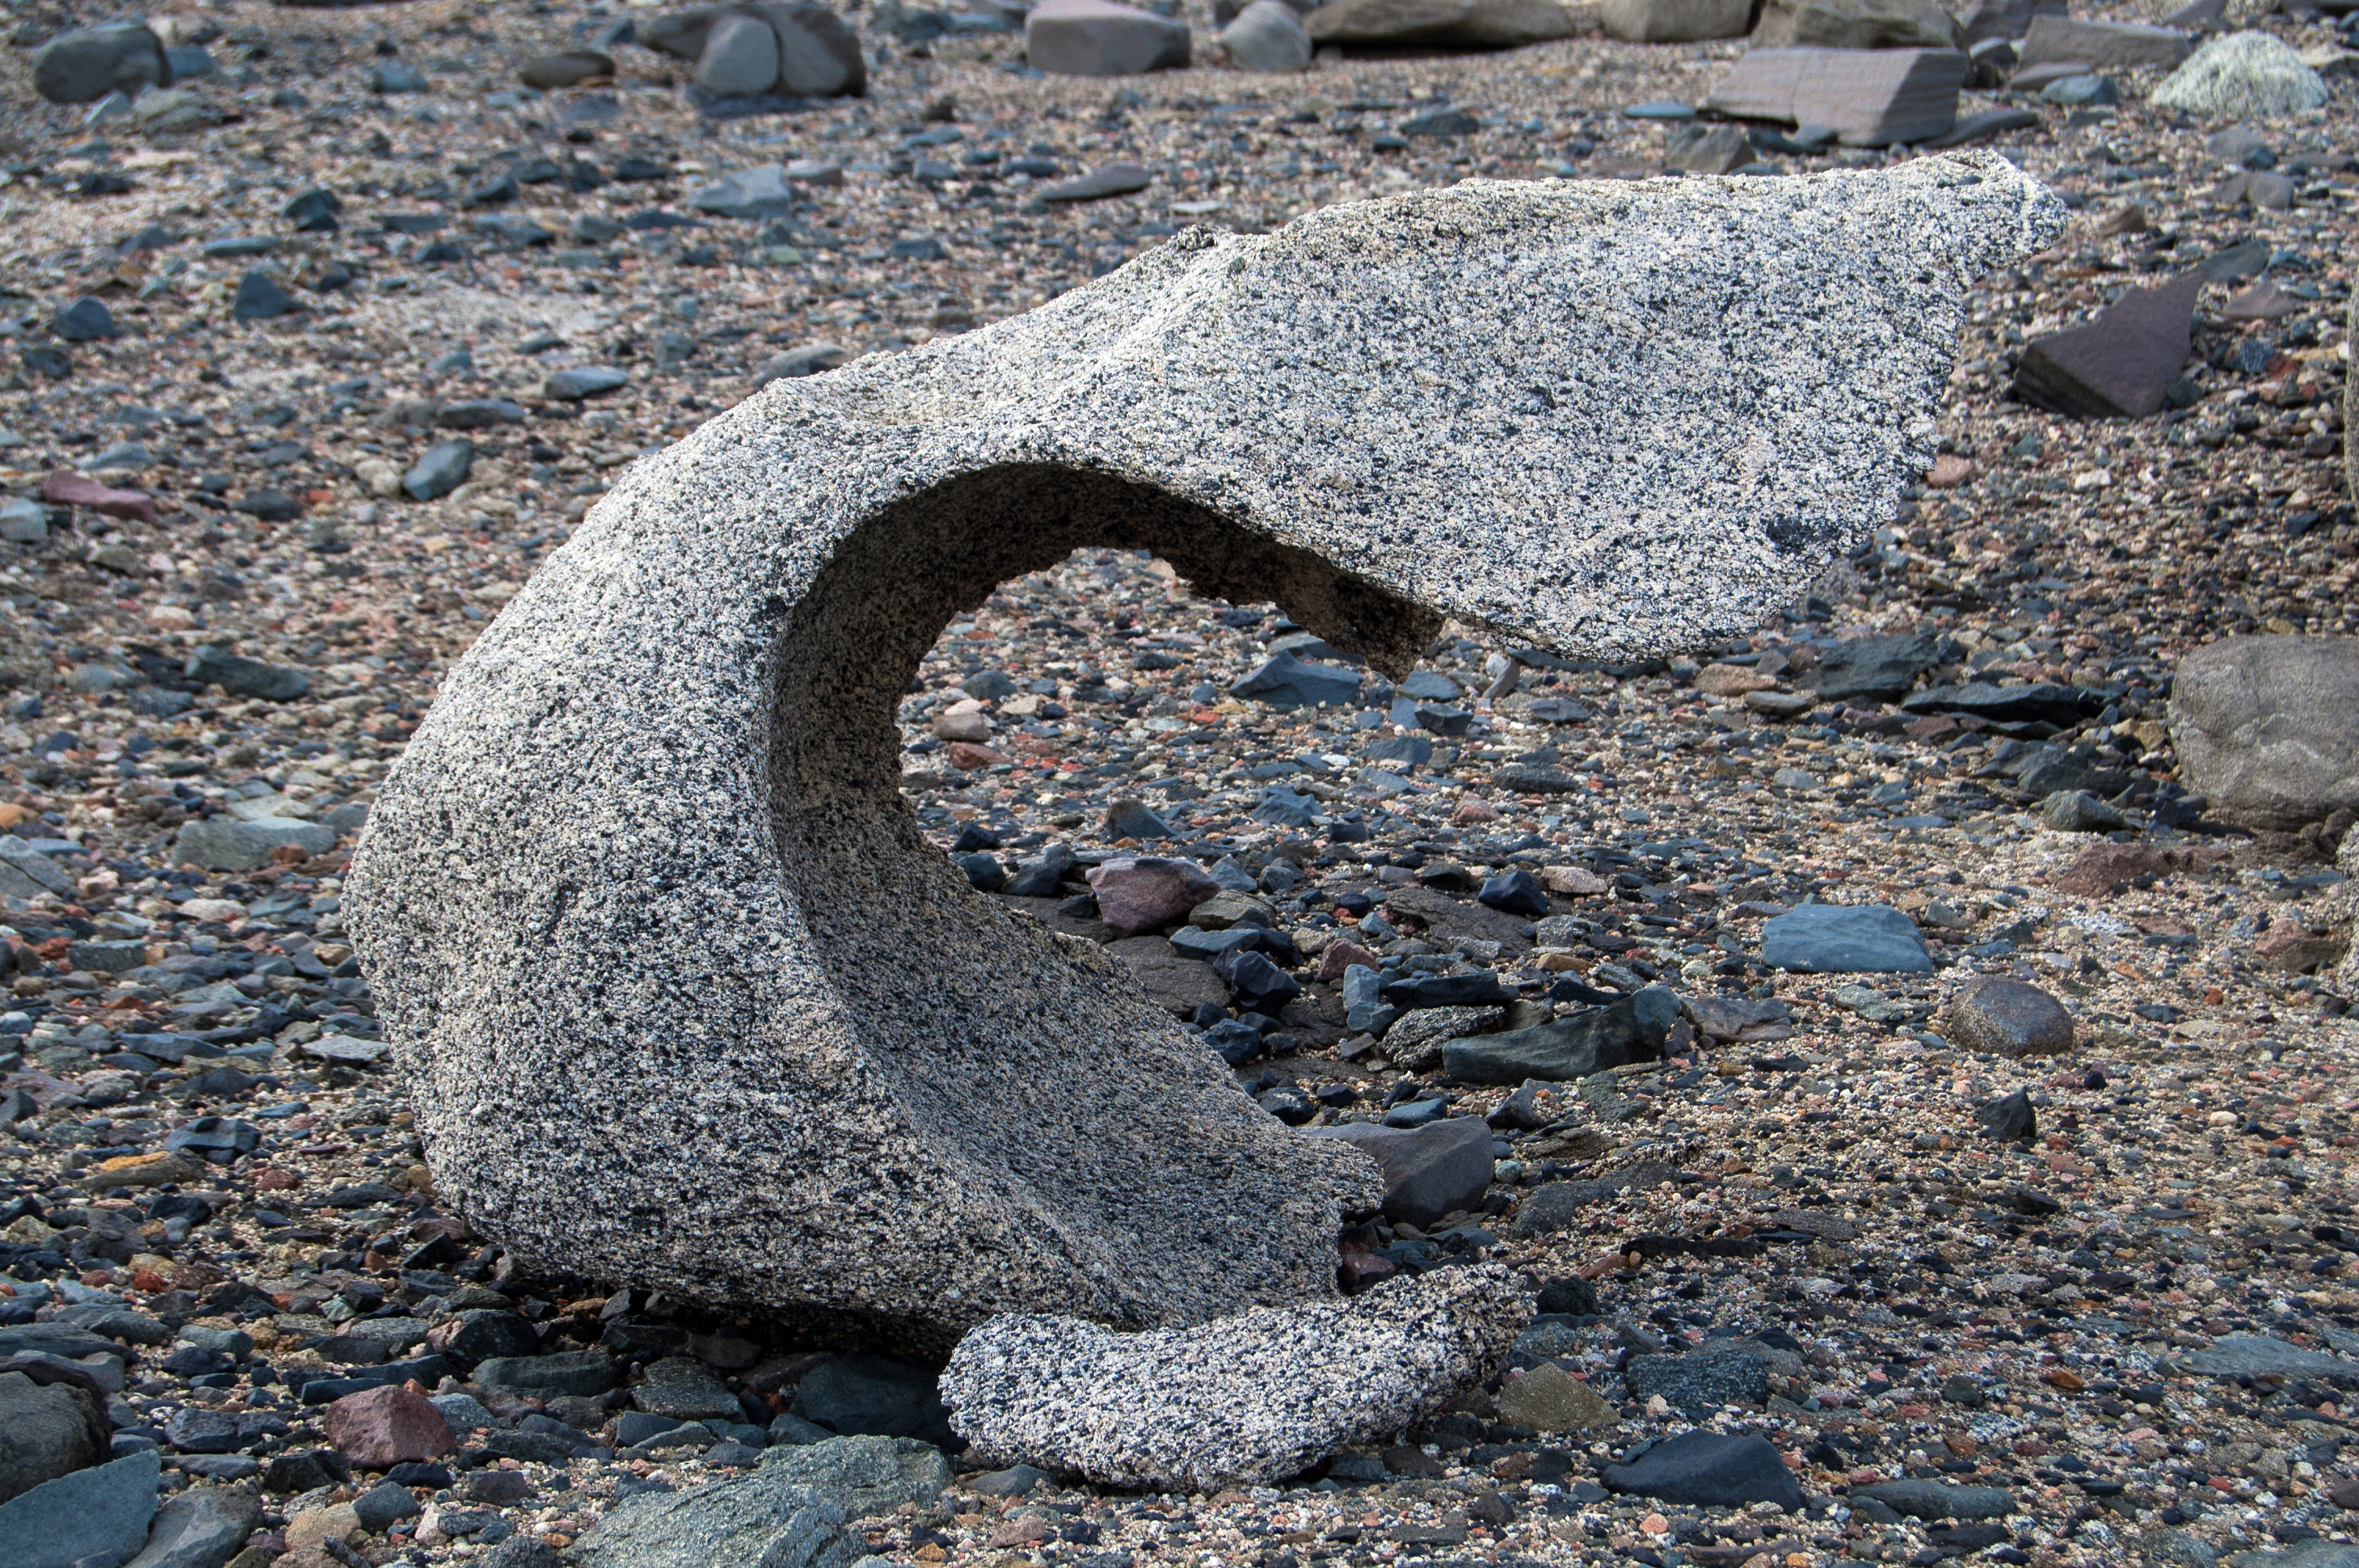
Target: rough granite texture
column 1241, row 1402
column 641, row 904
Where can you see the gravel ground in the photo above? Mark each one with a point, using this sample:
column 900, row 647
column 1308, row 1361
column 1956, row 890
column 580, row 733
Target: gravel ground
column 2017, row 1314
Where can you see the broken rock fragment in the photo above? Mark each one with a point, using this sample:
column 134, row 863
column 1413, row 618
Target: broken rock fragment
column 2122, row 363
column 1243, row 1401
column 1871, row 97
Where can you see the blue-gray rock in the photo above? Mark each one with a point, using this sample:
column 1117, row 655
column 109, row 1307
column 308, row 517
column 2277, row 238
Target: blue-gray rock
column 187, row 62
column 588, row 380
column 575, row 1372
column 807, row 359
column 984, row 872
column 753, row 1520
column 1431, row 1170
column 1843, row 939
column 791, row 1428
column 1285, row 682
column 1630, row 1030
column 23, row 522
column 1709, row 1469
column 259, row 299
column 386, row 1504
column 203, row 1527
column 1119, row 178
column 1012, row 1482
column 1936, row 1500
column 46, row 1430
column 1513, row 893
column 86, row 64
column 85, row 321
column 740, row 58
column 242, row 676
column 96, row 1518
column 1553, row 1205
column 395, row 76
column 225, row 844
column 1279, row 806
column 2262, row 1355
column 1874, row 669
column 872, row 1395
column 863, row 1475
column 1127, row 819
column 758, row 192
column 1714, row 1375
column 1479, row 989
column 684, row 1389
column 442, row 470
column 479, row 414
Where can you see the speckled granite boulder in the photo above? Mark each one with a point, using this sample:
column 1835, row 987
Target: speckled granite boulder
column 684, row 998
column 1241, row 1402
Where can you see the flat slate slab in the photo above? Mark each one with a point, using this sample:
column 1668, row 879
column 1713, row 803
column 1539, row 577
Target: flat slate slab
column 681, row 994
column 1873, row 98
column 2119, row 365
column 1843, row 939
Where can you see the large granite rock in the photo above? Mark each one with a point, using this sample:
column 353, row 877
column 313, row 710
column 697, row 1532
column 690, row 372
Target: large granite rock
column 682, row 997
column 2245, row 76
column 1873, row 97
column 2266, row 729
column 1244, row 1401
column 1448, row 24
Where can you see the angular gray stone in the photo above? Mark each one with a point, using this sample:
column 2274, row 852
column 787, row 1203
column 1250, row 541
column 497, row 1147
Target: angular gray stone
column 1874, row 669
column 864, row 1476
column 754, row 1520
column 760, row 193
column 1447, row 24
column 2009, row 1018
column 2121, row 363
column 1429, row 1170
column 1855, row 25
column 2266, row 729
column 1871, row 97
column 2102, row 46
column 47, row 1431
column 872, row 1396
column 1939, row 1500
column 577, row 1372
column 1710, row 1469
column 225, row 844
column 1242, row 1400
column 588, row 381
column 2261, row 1355
column 1267, row 36
column 740, row 58
column 782, row 572
column 200, row 1528
column 242, row 676
column 1717, row 1373
column 1843, row 939
column 1629, row 1030
column 819, row 54
column 86, row 64
column 1101, row 38
column 442, row 470
column 1676, row 21
column 684, row 1389
column 96, row 1518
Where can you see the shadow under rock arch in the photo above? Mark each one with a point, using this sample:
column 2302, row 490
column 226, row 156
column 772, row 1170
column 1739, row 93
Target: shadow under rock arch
column 933, row 973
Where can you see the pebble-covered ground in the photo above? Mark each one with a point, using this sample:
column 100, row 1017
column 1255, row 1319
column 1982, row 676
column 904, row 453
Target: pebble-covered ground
column 1933, row 1301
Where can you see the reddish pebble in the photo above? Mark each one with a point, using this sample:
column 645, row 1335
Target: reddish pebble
column 379, row 1428
column 69, row 489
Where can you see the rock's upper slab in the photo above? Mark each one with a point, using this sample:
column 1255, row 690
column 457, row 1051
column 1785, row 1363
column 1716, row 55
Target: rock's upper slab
column 684, row 998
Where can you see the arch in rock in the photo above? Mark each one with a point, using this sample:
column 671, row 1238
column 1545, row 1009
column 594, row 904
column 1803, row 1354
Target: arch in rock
column 684, row 999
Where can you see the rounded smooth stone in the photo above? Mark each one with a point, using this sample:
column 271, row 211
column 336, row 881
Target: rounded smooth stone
column 741, row 58
column 2008, row 1017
